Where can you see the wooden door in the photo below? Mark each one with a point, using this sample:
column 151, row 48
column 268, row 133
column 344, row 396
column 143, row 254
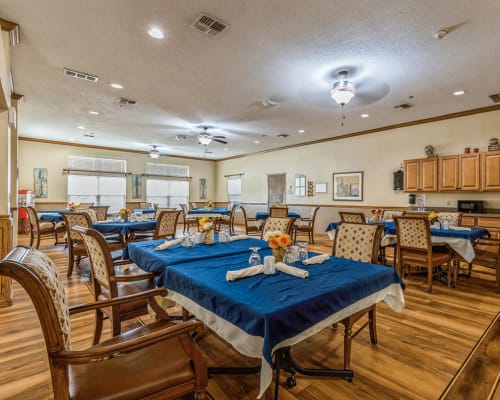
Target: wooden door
column 276, row 189
column 490, row 163
column 411, row 172
column 469, row 172
column 428, row 175
column 448, row 173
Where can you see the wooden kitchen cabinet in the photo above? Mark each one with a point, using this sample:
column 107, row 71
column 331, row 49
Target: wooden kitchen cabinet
column 490, row 166
column 420, row 175
column 459, row 172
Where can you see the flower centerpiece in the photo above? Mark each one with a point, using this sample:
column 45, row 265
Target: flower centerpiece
column 376, row 213
column 209, row 205
column 278, row 241
column 71, row 206
column 207, row 226
column 124, row 213
column 433, row 216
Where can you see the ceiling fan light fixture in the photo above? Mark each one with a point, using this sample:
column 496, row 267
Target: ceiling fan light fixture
column 154, row 153
column 205, row 139
column 342, row 92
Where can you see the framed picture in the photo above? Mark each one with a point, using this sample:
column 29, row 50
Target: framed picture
column 203, row 188
column 320, row 188
column 40, row 183
column 348, row 186
column 136, row 186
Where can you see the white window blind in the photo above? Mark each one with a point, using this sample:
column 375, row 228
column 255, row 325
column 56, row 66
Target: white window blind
column 234, row 191
column 164, row 187
column 97, row 164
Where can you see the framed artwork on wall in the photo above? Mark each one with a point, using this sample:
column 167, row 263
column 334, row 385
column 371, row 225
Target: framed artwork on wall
column 203, row 188
column 40, row 182
column 136, row 186
column 320, row 188
column 348, row 186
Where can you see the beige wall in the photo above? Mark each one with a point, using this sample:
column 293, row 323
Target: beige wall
column 378, row 155
column 54, row 157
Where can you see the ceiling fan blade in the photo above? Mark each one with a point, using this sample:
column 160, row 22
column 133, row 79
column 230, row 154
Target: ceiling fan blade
column 220, row 141
column 219, row 136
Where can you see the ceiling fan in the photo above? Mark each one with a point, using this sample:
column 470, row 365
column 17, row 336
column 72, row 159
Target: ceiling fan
column 206, row 138
column 154, row 152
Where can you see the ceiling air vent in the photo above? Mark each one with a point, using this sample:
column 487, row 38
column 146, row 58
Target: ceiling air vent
column 80, row 75
column 495, row 98
column 208, row 25
column 403, row 106
column 125, row 102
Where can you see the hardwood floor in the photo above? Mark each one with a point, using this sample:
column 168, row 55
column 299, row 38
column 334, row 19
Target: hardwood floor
column 419, row 350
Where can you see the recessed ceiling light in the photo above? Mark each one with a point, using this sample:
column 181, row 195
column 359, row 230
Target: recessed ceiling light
column 256, row 141
column 301, row 131
column 81, row 127
column 365, row 115
column 226, row 149
column 458, row 92
column 116, row 86
column 156, row 33
column 93, row 112
column 71, row 139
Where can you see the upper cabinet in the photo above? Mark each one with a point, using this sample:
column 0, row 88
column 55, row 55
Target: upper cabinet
column 420, row 175
column 490, row 165
column 460, row 172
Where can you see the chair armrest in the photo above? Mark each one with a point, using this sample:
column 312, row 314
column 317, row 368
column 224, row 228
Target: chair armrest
column 128, row 342
column 117, row 301
column 487, row 242
column 132, row 277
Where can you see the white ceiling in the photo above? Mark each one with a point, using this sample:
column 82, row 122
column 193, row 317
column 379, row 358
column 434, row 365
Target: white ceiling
column 283, row 50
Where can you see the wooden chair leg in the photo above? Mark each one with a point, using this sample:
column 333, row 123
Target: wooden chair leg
column 99, row 316
column 347, row 343
column 372, row 316
column 38, row 241
column 32, row 238
column 70, row 263
column 116, row 326
column 429, row 278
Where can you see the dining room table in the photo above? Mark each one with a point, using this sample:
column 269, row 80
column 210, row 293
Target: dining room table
column 266, row 314
column 51, row 215
column 147, row 257
column 124, row 228
column 209, row 212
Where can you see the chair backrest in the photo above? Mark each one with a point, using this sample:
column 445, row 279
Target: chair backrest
column 101, row 212
column 191, row 205
column 166, row 224
column 283, row 225
column 413, row 232
column 33, row 218
column 145, row 205
column 358, row 242
column 388, row 215
column 278, row 211
column 86, row 205
column 159, row 210
column 37, row 274
column 454, row 218
column 314, row 211
column 101, row 262
column 352, row 217
column 74, row 218
column 91, row 213
column 184, row 209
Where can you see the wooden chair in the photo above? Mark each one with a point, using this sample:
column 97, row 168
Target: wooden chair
column 86, row 205
column 306, row 226
column 284, row 225
column 388, row 215
column 278, row 211
column 415, row 248
column 251, row 227
column 91, row 213
column 227, row 220
column 145, row 205
column 166, row 224
column 43, row 229
column 158, row 360
column 76, row 248
column 188, row 219
column 167, row 228
column 358, row 242
column 101, row 212
column 453, row 218
column 487, row 254
column 352, row 217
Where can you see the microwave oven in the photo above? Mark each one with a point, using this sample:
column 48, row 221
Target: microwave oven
column 471, row 206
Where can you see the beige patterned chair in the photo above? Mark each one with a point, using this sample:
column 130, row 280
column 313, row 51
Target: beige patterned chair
column 76, row 248
column 283, row 225
column 454, row 218
column 352, row 217
column 43, row 229
column 415, row 248
column 92, row 213
column 110, row 369
column 278, row 211
column 101, row 212
column 168, row 228
column 388, row 215
column 166, row 224
column 358, row 242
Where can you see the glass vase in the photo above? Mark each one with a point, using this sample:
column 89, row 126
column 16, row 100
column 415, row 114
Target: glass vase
column 278, row 254
column 209, row 237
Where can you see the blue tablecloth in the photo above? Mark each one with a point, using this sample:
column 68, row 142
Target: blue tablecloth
column 472, row 235
column 124, row 228
column 52, row 217
column 273, row 308
column 147, row 258
column 265, row 215
column 143, row 210
column 216, row 210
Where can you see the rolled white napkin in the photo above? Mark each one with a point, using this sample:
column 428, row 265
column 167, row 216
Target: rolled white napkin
column 242, row 273
column 169, row 243
column 316, row 259
column 238, row 237
column 287, row 269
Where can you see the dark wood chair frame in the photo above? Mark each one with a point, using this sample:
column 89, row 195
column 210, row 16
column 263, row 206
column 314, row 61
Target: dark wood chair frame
column 37, row 233
column 307, row 228
column 360, row 215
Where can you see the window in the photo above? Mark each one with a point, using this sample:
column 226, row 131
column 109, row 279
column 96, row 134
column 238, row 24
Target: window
column 100, row 181
column 167, row 185
column 300, row 185
column 234, row 191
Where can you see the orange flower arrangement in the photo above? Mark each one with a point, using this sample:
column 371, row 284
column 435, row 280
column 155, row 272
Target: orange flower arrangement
column 278, row 241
